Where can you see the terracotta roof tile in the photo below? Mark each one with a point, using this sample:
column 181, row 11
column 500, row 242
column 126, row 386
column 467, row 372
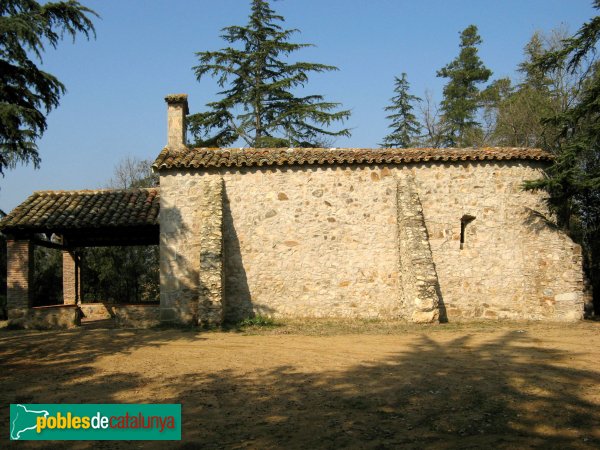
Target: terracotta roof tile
column 59, row 210
column 196, row 158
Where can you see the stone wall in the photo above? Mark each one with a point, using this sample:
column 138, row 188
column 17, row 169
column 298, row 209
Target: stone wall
column 47, row 317
column 311, row 242
column 366, row 241
column 190, row 238
column 136, row 316
column 514, row 264
column 125, row 315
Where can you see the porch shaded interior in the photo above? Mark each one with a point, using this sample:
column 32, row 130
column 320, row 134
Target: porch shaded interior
column 71, row 221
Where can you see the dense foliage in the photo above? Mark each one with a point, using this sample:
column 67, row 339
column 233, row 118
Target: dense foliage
column 3, row 267
column 120, row 274
column 27, row 93
column 47, row 277
column 260, row 103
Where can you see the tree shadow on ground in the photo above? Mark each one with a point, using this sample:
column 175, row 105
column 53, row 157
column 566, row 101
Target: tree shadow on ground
column 58, row 366
column 506, row 391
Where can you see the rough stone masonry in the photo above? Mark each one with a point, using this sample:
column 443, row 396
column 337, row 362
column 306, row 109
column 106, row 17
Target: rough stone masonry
column 416, row 234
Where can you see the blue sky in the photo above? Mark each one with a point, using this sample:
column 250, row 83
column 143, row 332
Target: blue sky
column 144, row 50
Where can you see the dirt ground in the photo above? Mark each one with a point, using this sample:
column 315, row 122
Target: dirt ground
column 326, row 385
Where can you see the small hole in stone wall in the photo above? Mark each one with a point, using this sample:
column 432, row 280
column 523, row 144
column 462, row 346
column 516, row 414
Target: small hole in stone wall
column 464, row 221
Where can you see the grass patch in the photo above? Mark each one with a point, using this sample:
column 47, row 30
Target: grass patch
column 258, row 322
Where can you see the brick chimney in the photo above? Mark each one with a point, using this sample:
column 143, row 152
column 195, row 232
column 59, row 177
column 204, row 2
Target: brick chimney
column 177, row 109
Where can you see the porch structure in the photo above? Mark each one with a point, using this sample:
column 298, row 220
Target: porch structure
column 69, row 221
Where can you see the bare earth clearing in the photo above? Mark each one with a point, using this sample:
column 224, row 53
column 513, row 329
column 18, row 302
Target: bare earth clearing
column 326, row 385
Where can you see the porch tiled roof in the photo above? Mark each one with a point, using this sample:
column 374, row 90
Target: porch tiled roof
column 89, row 209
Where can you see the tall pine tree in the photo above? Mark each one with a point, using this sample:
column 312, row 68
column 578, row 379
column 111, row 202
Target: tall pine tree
column 404, row 124
column 27, row 93
column 461, row 95
column 259, row 103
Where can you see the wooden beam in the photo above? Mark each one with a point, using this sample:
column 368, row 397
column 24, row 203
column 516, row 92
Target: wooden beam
column 47, row 244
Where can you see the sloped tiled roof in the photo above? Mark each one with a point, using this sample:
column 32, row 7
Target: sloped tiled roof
column 237, row 157
column 62, row 210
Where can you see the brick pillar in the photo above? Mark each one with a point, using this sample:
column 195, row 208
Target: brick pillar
column 71, row 281
column 19, row 280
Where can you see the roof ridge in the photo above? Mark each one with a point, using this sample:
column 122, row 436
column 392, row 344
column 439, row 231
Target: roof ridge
column 205, row 157
column 378, row 149
column 93, row 191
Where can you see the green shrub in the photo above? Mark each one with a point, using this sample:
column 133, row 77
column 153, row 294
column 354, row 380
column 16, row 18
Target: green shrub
column 258, row 321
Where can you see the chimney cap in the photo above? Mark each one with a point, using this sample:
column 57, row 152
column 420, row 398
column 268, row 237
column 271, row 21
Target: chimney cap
column 173, row 99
